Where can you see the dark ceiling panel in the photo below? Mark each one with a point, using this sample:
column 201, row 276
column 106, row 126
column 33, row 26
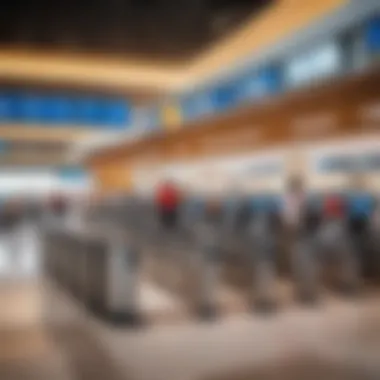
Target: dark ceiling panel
column 159, row 30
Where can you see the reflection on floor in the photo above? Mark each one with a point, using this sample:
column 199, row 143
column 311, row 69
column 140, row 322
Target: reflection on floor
column 45, row 335
column 340, row 340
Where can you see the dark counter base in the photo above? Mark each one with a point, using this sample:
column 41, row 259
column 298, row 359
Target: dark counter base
column 264, row 306
column 207, row 312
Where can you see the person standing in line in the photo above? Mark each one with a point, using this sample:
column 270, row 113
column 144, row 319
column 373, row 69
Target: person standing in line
column 168, row 204
column 301, row 241
column 293, row 203
column 58, row 208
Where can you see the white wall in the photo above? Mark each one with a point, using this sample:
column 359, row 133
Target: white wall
column 39, row 183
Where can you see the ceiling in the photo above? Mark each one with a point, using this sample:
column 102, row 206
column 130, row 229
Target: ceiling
column 143, row 66
column 140, row 49
column 136, row 96
column 155, row 30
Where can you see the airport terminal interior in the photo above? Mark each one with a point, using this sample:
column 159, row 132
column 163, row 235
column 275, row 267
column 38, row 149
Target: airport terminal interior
column 190, row 190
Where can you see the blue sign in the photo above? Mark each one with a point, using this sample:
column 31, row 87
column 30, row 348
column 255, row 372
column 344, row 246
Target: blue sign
column 372, row 35
column 72, row 174
column 197, row 105
column 58, row 110
column 19, row 107
column 261, row 83
column 360, row 204
column 224, row 97
column 86, row 112
column 5, row 108
column 115, row 113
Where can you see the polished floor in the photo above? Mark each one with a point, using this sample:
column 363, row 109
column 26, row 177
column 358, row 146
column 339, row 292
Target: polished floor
column 339, row 340
column 44, row 334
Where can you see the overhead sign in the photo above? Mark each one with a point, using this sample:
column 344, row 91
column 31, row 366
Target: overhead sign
column 372, row 35
column 197, row 105
column 258, row 84
column 224, row 96
column 30, row 108
column 146, row 119
column 171, row 115
column 314, row 64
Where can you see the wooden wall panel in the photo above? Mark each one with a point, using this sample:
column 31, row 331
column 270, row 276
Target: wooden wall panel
column 345, row 108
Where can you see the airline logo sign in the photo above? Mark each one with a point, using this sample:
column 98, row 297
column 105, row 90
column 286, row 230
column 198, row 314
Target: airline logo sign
column 171, row 116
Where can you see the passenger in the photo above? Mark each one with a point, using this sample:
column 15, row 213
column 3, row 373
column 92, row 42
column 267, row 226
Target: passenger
column 293, row 204
column 336, row 243
column 58, row 207
column 214, row 213
column 333, row 207
column 168, row 204
column 10, row 216
column 360, row 214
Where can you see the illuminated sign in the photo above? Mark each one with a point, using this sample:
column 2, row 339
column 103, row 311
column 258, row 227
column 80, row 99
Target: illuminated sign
column 197, row 105
column 260, row 83
column 372, row 35
column 171, row 115
column 314, row 64
column 29, row 108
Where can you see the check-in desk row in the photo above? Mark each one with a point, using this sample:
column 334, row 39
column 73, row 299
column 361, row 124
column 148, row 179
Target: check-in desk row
column 97, row 268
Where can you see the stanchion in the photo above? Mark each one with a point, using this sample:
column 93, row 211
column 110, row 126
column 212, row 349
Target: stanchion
column 209, row 272
column 112, row 280
column 334, row 240
column 306, row 269
column 262, row 249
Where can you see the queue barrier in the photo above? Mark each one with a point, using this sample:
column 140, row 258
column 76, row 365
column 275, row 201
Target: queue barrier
column 99, row 270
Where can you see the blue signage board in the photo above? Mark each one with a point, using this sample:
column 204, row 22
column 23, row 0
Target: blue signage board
column 224, row 96
column 86, row 112
column 197, row 104
column 5, row 108
column 58, row 111
column 72, row 174
column 28, row 108
column 260, row 83
column 372, row 35
column 115, row 114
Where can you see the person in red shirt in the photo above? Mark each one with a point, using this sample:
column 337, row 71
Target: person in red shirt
column 333, row 207
column 167, row 203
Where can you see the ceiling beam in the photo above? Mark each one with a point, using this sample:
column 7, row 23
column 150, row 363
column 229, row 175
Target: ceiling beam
column 283, row 19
